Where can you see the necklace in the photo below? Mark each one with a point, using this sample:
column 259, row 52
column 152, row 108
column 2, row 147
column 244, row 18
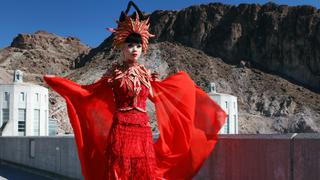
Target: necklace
column 133, row 76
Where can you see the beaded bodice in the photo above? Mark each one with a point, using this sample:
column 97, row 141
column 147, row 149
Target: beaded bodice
column 131, row 87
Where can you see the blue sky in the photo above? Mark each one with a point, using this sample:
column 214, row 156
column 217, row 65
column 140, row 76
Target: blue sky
column 86, row 19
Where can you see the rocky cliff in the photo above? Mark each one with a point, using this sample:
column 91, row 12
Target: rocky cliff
column 278, row 39
column 41, row 53
column 267, row 103
column 258, row 43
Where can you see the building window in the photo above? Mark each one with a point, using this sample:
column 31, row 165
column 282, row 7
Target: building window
column 5, row 115
column 21, row 128
column 37, row 97
column 226, row 104
column 6, row 96
column 235, row 123
column 36, row 122
column 22, row 122
column 226, row 126
column 52, row 127
column 22, row 96
column 46, row 121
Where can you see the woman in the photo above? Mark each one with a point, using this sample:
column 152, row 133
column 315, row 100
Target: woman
column 132, row 153
column 111, row 126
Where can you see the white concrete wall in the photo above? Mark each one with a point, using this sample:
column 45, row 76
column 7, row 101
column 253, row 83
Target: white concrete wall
column 230, row 105
column 30, row 104
column 10, row 125
column 236, row 157
column 52, row 154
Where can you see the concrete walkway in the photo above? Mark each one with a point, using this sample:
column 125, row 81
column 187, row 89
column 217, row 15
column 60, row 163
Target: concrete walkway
column 11, row 173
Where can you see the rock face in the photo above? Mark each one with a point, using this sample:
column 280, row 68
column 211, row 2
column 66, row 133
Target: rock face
column 267, row 103
column 252, row 39
column 282, row 40
column 38, row 54
column 42, row 53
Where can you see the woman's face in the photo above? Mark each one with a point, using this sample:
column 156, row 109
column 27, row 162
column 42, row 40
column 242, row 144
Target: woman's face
column 132, row 51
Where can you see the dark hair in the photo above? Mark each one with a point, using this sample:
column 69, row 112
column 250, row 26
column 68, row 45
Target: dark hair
column 134, row 38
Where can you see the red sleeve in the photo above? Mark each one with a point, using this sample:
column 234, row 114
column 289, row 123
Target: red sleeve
column 188, row 121
column 90, row 111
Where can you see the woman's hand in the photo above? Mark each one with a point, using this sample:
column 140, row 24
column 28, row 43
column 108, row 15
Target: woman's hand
column 154, row 76
column 49, row 75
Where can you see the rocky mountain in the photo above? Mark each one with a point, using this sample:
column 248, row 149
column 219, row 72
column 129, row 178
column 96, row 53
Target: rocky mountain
column 267, row 103
column 267, row 41
column 266, row 55
column 278, row 39
column 40, row 53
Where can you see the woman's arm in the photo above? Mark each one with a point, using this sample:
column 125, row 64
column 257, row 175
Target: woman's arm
column 154, row 78
column 105, row 80
column 63, row 85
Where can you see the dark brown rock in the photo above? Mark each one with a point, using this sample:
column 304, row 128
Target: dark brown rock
column 279, row 39
column 267, row 103
column 42, row 53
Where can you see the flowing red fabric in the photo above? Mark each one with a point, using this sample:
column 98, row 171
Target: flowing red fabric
column 188, row 121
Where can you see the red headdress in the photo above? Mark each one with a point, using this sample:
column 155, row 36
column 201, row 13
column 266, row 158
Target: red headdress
column 129, row 26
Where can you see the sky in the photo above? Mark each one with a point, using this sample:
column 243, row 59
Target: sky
column 87, row 19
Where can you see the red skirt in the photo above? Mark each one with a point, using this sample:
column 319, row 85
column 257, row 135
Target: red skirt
column 130, row 153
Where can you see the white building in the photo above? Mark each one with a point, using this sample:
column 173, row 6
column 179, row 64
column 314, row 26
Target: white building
column 229, row 104
column 23, row 108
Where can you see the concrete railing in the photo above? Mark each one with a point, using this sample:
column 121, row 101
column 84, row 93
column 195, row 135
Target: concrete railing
column 236, row 157
column 57, row 155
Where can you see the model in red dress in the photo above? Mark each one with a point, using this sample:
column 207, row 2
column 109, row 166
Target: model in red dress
column 131, row 153
column 111, row 126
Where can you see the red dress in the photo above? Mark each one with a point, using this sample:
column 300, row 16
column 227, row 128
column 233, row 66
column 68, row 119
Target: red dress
column 188, row 122
column 130, row 153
